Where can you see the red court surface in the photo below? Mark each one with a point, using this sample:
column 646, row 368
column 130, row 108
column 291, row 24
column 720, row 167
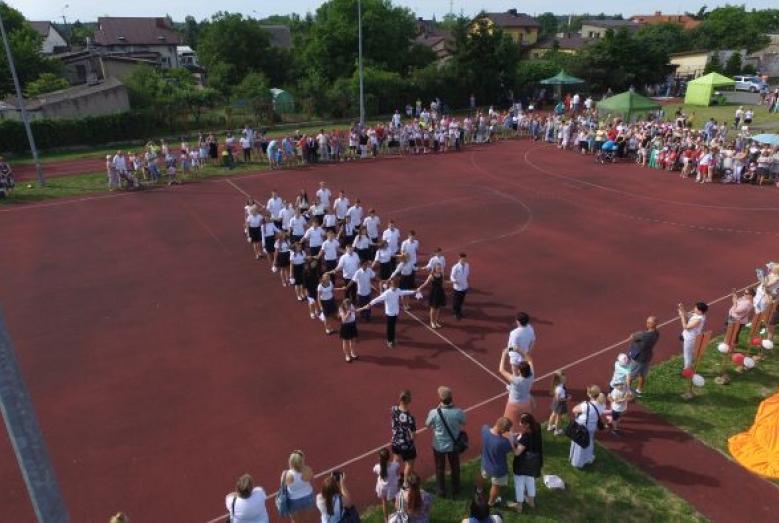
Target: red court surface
column 164, row 360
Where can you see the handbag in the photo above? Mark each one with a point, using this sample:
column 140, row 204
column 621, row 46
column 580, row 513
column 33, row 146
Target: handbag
column 400, row 515
column 461, row 442
column 350, row 515
column 282, row 497
column 578, row 432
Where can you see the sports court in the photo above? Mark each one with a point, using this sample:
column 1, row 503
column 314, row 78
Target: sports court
column 164, row 360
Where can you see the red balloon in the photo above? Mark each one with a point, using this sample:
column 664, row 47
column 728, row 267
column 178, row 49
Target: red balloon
column 737, row 358
column 757, row 341
column 688, row 373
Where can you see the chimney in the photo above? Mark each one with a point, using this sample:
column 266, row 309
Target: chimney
column 658, row 13
column 512, row 12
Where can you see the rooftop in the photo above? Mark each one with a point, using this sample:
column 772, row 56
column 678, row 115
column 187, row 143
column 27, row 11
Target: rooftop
column 136, row 31
column 512, row 18
column 612, row 24
column 686, row 21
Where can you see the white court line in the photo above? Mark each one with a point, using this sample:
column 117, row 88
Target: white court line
column 235, row 186
column 487, row 401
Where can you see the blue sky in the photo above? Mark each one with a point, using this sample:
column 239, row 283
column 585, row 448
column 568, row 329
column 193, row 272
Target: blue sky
column 178, row 9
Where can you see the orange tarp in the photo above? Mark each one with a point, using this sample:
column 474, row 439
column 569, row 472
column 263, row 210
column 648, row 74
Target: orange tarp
column 758, row 448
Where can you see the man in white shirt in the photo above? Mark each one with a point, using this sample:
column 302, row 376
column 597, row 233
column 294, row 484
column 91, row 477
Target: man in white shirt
column 348, row 264
column 315, row 236
column 459, row 278
column 362, row 280
column 274, row 207
column 297, row 226
column 286, row 215
column 523, row 337
column 329, row 252
column 391, row 299
column 341, row 206
column 324, row 195
column 391, row 235
column 372, row 223
column 354, row 213
column 411, row 246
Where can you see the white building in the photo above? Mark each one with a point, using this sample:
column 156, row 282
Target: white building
column 53, row 40
column 139, row 36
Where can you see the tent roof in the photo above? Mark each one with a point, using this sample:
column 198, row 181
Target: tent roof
column 628, row 102
column 713, row 79
column 562, row 78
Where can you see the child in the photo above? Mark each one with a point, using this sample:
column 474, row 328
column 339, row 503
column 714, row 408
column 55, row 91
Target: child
column 560, row 399
column 618, row 397
column 387, row 480
column 621, row 370
column 172, row 173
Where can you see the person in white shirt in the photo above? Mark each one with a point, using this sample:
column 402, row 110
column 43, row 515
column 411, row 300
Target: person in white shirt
column 392, row 236
column 286, row 215
column 282, row 257
column 384, row 260
column 692, row 326
column 346, row 233
column 459, row 278
column 436, row 259
column 329, row 252
column 348, row 264
column 341, row 206
column 372, row 223
column 362, row 245
column 329, row 221
column 269, row 231
column 391, row 299
column 324, row 194
column 326, row 298
column 362, row 282
column 274, row 206
column 254, row 230
column 247, row 503
column 354, row 213
column 523, row 337
column 298, row 260
column 404, row 271
column 246, row 212
column 411, row 247
column 297, row 226
column 315, row 236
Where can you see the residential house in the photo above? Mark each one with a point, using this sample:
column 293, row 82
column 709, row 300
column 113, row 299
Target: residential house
column 53, row 40
column 594, row 29
column 440, row 41
column 522, row 28
column 89, row 67
column 108, row 97
column 766, row 60
column 127, row 36
column 691, row 64
column 280, row 36
column 686, row 21
column 564, row 43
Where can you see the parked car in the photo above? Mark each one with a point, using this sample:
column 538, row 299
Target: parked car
column 752, row 84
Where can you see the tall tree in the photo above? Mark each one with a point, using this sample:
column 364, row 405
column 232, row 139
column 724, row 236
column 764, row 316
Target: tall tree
column 26, row 48
column 548, row 23
column 733, row 27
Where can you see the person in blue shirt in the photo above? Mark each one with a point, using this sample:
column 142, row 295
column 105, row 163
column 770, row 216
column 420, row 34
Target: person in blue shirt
column 494, row 448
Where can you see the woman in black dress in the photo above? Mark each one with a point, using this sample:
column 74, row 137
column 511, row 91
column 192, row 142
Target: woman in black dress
column 311, row 279
column 348, row 331
column 437, row 297
column 213, row 149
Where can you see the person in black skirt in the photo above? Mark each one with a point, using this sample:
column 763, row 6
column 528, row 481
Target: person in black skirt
column 348, row 332
column 298, row 262
column 384, row 260
column 405, row 272
column 325, row 295
column 269, row 232
column 362, row 245
column 437, row 296
column 311, row 279
column 281, row 257
column 254, row 229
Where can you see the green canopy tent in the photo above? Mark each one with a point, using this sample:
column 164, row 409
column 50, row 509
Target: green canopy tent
column 628, row 104
column 283, row 102
column 700, row 90
column 559, row 80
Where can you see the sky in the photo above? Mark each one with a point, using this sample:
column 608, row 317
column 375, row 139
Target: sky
column 88, row 10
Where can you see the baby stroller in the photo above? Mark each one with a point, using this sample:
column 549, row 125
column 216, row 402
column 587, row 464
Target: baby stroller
column 605, row 156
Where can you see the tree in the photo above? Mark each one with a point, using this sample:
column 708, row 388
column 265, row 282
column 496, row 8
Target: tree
column 25, row 45
column 79, row 33
column 714, row 65
column 232, row 46
column 548, row 23
column 733, row 64
column 254, row 91
column 46, row 83
column 664, row 38
column 191, row 31
column 733, row 27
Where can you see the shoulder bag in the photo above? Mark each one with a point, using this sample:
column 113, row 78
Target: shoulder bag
column 282, row 497
column 578, row 432
column 400, row 515
column 461, row 442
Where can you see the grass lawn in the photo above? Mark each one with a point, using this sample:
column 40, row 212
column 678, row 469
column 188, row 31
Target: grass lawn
column 609, row 490
column 717, row 411
column 762, row 118
column 84, row 184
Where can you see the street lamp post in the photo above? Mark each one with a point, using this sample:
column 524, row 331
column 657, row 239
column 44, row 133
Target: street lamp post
column 23, row 109
column 359, row 63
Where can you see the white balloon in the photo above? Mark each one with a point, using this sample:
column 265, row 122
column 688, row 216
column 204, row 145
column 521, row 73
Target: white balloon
column 698, row 380
column 724, row 348
column 768, row 344
column 749, row 363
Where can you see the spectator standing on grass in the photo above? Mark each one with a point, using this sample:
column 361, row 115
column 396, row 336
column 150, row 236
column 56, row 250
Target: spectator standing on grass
column 692, row 326
column 495, row 445
column 447, row 422
column 414, row 501
column 333, row 499
column 586, row 413
column 247, row 503
column 640, row 353
column 461, row 271
column 621, row 370
column 387, row 480
column 297, row 479
column 404, row 428
column 479, row 510
column 523, row 337
column 528, row 460
column 519, row 375
column 559, row 405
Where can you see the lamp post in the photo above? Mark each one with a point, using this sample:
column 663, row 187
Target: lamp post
column 20, row 100
column 359, row 63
